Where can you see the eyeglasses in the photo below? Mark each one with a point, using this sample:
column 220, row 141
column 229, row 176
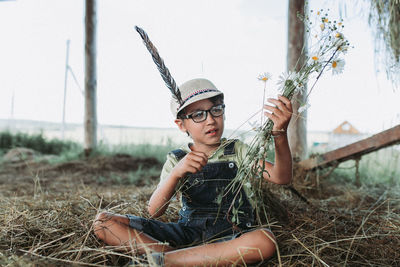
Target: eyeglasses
column 201, row 115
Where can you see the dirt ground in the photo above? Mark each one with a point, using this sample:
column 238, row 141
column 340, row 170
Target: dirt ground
column 47, row 211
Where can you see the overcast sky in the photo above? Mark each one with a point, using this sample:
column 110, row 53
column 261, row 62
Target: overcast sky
column 229, row 42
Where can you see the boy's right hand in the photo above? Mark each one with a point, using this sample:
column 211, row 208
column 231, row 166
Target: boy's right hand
column 193, row 162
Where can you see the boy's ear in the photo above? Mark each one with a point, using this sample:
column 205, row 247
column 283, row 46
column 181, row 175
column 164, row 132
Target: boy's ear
column 181, row 125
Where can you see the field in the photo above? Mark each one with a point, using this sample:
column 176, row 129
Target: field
column 49, row 202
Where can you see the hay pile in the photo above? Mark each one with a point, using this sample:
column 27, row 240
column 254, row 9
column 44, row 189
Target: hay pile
column 357, row 227
column 47, row 213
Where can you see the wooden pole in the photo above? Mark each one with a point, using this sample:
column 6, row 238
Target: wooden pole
column 65, row 92
column 297, row 132
column 90, row 118
column 358, row 182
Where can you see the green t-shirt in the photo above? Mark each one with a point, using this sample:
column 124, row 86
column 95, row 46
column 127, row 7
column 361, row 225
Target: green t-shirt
column 218, row 156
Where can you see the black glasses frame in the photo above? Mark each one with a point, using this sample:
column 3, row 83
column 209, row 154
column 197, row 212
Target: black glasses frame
column 204, row 113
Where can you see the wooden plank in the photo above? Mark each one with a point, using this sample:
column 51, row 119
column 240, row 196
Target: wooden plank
column 354, row 150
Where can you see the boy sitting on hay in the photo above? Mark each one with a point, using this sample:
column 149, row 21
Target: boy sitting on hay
column 206, row 234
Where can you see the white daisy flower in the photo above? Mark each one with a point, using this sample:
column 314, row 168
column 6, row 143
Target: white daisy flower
column 285, row 79
column 316, row 62
column 337, row 66
column 314, row 59
column 300, row 85
column 264, row 77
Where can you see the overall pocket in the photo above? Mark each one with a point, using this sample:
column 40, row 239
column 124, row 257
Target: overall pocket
column 217, row 228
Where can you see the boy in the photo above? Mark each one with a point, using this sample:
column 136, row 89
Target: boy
column 205, row 234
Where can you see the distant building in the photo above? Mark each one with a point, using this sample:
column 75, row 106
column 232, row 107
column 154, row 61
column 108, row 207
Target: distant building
column 343, row 135
column 346, row 128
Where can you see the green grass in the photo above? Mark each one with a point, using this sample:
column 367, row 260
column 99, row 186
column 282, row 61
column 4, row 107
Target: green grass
column 36, row 142
column 68, row 150
column 157, row 151
column 74, row 153
column 380, row 167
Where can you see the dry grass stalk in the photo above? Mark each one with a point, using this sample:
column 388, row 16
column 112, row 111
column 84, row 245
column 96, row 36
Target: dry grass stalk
column 343, row 225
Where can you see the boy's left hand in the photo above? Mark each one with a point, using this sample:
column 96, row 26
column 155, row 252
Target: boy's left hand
column 281, row 114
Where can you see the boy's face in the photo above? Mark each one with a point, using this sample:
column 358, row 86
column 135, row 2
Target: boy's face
column 207, row 132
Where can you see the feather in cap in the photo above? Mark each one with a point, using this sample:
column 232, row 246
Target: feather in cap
column 165, row 74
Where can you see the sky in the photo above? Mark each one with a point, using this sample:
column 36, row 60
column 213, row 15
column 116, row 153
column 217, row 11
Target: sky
column 229, row 42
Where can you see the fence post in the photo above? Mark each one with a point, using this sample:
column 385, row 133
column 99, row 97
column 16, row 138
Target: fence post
column 358, row 182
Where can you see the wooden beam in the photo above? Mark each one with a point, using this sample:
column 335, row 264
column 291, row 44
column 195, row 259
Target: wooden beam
column 354, row 150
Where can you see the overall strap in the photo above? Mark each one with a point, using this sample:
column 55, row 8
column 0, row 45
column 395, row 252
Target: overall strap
column 230, row 148
column 178, row 153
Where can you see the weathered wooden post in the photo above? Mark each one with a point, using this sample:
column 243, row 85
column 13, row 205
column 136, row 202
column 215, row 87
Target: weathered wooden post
column 297, row 132
column 90, row 118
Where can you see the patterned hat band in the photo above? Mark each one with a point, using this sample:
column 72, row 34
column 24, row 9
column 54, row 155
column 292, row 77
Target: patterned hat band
column 192, row 91
column 195, row 93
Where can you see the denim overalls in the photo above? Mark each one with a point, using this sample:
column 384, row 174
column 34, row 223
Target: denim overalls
column 204, row 214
